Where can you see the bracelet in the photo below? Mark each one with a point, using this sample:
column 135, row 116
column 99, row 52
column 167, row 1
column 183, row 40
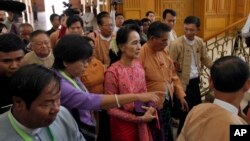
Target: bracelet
column 117, row 101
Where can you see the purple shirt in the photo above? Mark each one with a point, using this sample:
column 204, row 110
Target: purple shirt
column 75, row 99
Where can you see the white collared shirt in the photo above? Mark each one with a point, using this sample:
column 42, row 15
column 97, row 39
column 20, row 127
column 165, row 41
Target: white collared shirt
column 172, row 36
column 246, row 28
column 88, row 18
column 227, row 106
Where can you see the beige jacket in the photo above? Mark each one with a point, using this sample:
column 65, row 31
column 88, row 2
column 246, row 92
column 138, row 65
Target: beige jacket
column 181, row 53
column 208, row 122
column 32, row 58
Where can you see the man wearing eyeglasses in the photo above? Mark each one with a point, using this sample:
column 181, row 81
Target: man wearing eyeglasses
column 103, row 37
column 41, row 50
column 188, row 53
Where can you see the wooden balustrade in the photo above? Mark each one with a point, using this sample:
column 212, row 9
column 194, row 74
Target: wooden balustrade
column 222, row 43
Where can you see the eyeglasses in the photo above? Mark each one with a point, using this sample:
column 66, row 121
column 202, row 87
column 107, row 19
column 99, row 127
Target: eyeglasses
column 41, row 43
column 110, row 25
column 190, row 30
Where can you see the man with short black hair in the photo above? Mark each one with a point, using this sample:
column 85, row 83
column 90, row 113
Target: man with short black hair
column 169, row 18
column 74, row 25
column 11, row 55
column 36, row 113
column 103, row 37
column 145, row 25
column 229, row 81
column 150, row 15
column 160, row 73
column 54, row 19
column 119, row 19
column 189, row 53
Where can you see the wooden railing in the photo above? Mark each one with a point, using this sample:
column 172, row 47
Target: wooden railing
column 226, row 29
column 221, row 44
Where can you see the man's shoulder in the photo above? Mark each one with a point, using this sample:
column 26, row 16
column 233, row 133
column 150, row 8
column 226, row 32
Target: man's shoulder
column 178, row 41
column 49, row 32
column 6, row 131
column 63, row 111
column 94, row 34
column 143, row 51
column 4, row 121
column 63, row 119
column 3, row 117
column 199, row 40
column 30, row 56
column 212, row 111
column 64, row 127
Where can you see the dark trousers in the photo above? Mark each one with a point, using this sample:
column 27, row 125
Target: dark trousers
column 87, row 131
column 104, row 126
column 193, row 98
column 166, row 119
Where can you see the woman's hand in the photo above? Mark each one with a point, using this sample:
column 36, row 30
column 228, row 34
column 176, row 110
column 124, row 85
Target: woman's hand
column 157, row 97
column 149, row 115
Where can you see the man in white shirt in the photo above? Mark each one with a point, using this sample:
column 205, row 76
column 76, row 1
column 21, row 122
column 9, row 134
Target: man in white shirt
column 211, row 121
column 245, row 32
column 119, row 19
column 189, row 53
column 169, row 18
column 88, row 18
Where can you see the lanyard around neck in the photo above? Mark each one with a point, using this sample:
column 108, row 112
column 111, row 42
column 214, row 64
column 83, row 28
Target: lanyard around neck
column 73, row 82
column 22, row 133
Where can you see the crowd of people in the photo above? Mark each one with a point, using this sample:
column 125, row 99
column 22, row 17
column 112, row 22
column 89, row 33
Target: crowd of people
column 117, row 81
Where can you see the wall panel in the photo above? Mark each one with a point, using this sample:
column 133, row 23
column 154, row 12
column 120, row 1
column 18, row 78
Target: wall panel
column 214, row 14
column 182, row 8
column 210, row 6
column 134, row 14
column 215, row 17
column 223, row 7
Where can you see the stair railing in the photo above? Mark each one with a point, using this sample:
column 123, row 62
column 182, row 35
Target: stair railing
column 222, row 43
